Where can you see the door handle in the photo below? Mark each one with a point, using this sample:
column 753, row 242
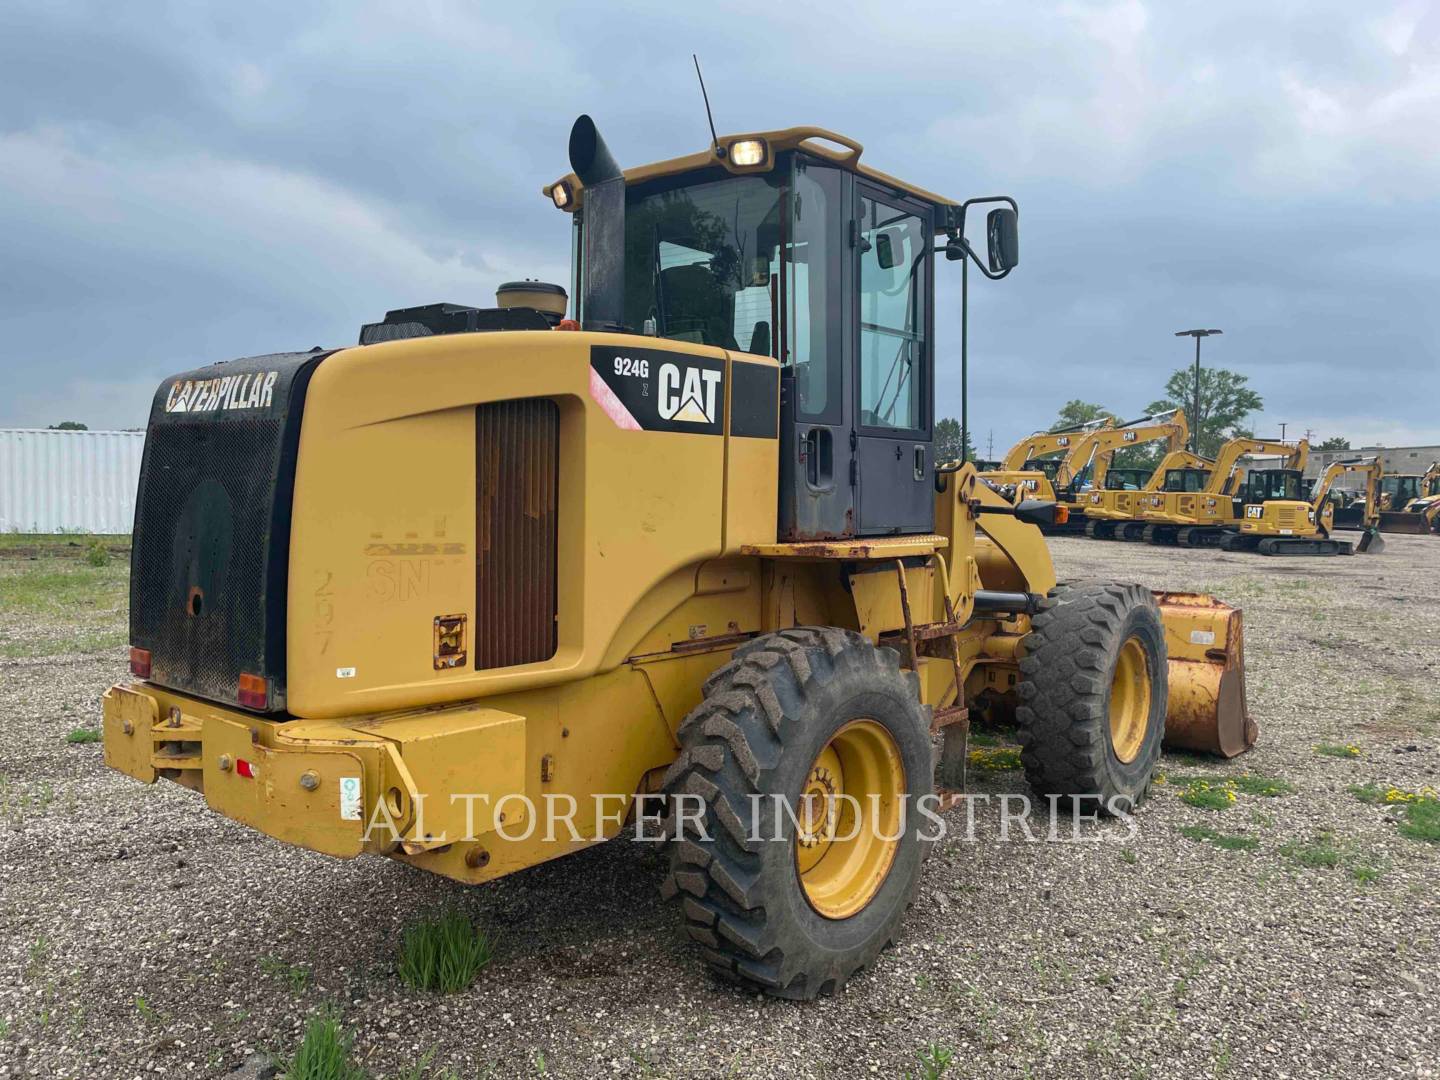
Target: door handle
column 920, row 464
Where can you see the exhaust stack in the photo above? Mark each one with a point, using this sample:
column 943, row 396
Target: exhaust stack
column 602, row 298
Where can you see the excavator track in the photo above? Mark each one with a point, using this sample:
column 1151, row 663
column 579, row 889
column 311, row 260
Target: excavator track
column 1277, row 545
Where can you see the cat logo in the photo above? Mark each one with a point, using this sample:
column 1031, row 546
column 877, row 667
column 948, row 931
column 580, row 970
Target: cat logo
column 1064, row 440
column 687, row 396
column 1129, row 436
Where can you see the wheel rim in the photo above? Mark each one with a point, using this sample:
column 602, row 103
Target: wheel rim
column 1129, row 701
column 844, row 849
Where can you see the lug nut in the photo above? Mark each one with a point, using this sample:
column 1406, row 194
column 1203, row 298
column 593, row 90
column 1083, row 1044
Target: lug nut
column 477, row 858
column 309, row 780
column 127, row 727
column 224, row 763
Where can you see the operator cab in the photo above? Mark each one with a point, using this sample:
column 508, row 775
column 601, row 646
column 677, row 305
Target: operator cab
column 1126, row 479
column 1186, row 479
column 782, row 244
column 1274, row 485
column 1401, row 488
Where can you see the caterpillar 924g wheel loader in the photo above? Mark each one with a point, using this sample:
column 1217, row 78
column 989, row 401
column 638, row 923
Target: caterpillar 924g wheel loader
column 413, row 597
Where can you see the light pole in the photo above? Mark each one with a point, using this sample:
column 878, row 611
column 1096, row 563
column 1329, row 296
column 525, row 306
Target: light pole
column 1195, row 420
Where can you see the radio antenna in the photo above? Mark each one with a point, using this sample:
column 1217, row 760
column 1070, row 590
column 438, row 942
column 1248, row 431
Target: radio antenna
column 714, row 139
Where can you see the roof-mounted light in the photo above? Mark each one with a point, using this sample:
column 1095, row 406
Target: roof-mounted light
column 748, row 152
column 561, row 195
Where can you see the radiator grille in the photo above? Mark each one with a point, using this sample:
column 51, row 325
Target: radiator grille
column 517, row 445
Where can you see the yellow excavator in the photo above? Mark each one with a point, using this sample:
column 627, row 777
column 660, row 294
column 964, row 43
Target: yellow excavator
column 1034, row 466
column 479, row 590
column 1411, row 504
column 1114, row 513
column 1203, row 518
column 1276, row 521
column 1088, row 460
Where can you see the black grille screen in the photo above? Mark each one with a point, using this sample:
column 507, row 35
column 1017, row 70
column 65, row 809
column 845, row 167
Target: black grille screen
column 517, row 451
column 212, row 525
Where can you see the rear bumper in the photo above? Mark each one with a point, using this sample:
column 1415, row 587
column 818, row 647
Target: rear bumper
column 374, row 784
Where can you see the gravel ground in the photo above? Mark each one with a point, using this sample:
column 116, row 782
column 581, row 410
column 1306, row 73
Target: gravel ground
column 140, row 934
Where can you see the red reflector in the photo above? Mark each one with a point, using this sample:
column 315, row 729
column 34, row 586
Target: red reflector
column 254, row 692
column 568, row 324
column 244, row 768
column 139, row 662
column 1062, row 515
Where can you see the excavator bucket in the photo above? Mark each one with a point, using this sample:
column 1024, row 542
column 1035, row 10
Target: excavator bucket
column 1403, row 521
column 1207, row 710
column 1371, row 541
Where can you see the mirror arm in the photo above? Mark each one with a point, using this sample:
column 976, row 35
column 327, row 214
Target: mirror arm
column 955, row 230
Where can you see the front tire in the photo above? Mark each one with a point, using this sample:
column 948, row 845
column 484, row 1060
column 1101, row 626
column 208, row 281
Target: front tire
column 1093, row 690
column 781, row 901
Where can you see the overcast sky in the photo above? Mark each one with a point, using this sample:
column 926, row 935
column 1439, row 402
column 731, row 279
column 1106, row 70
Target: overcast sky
column 183, row 183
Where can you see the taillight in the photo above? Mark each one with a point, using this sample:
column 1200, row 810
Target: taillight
column 254, row 691
column 139, row 662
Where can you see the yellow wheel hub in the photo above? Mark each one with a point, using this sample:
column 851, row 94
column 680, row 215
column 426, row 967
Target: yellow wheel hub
column 850, row 817
column 1129, row 701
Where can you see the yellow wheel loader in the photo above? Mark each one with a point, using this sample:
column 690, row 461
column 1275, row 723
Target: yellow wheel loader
column 495, row 585
column 1204, row 517
column 1276, row 521
column 1411, row 503
column 1114, row 513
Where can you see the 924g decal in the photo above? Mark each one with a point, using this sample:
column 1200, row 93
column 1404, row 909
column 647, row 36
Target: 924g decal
column 657, row 390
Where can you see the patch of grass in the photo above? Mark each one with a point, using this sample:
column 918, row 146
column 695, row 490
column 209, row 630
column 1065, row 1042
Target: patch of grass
column 81, row 736
column 1336, row 750
column 96, row 554
column 445, row 953
column 1224, row 841
column 1207, row 795
column 934, row 1063
column 1128, row 857
column 1365, row 873
column 324, row 1053
column 998, row 759
column 297, row 977
column 1422, row 821
column 1316, row 854
column 1265, row 786
column 1419, row 810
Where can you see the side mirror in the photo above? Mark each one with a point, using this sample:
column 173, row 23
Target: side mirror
column 889, row 248
column 1002, row 228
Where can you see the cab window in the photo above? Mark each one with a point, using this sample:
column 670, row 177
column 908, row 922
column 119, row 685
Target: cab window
column 893, row 264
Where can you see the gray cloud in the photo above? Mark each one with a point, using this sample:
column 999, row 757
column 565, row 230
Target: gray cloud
column 202, row 182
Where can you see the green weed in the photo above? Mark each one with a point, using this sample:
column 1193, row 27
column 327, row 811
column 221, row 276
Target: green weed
column 444, row 953
column 997, row 759
column 1336, row 750
column 1264, row 786
column 80, row 736
column 324, row 1053
column 933, row 1063
column 1318, row 853
column 1224, row 841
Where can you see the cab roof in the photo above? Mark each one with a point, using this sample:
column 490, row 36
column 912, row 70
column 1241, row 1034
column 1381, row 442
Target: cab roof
column 842, row 151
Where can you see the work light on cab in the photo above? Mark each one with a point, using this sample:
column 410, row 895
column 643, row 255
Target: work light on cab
column 748, row 152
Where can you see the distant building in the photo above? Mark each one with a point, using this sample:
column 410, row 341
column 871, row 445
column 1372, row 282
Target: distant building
column 1394, row 459
column 68, row 481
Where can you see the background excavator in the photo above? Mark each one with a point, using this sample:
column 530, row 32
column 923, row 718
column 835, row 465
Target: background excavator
column 1203, row 518
column 1114, row 513
column 1087, row 463
column 1284, row 525
column 1411, row 504
column 1033, row 467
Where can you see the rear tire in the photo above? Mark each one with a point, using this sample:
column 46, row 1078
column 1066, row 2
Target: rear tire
column 794, row 712
column 1093, row 690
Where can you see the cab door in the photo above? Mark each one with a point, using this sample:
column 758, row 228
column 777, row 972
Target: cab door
column 892, row 330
